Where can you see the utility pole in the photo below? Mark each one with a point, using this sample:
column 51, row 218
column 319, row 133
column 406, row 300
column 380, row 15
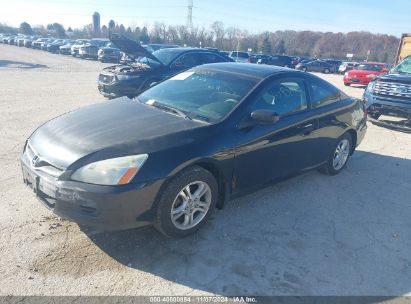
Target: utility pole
column 190, row 14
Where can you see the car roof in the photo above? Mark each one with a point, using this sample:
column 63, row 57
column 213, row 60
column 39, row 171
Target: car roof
column 180, row 50
column 260, row 71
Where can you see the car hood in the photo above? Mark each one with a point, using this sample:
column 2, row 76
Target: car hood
column 134, row 67
column 401, row 78
column 132, row 48
column 115, row 128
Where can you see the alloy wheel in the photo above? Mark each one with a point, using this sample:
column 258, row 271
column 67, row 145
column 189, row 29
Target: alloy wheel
column 341, row 154
column 191, row 205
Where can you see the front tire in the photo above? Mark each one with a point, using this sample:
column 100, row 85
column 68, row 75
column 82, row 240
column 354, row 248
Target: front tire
column 186, row 203
column 304, row 70
column 326, row 71
column 339, row 158
column 347, row 84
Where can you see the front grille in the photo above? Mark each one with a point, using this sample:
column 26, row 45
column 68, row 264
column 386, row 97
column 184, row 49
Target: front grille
column 105, row 78
column 393, row 89
column 40, row 164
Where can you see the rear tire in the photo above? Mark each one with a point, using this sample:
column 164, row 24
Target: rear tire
column 339, row 157
column 180, row 210
column 304, row 70
column 326, row 71
column 347, row 84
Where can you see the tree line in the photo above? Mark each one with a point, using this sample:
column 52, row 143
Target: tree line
column 363, row 45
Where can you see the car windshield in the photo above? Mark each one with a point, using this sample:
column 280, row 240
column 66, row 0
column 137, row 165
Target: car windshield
column 404, row 67
column 166, row 56
column 369, row 67
column 200, row 93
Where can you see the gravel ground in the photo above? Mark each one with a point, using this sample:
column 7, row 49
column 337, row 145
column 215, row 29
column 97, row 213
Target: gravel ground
column 311, row 235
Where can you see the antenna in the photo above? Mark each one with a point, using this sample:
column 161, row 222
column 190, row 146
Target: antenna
column 190, row 14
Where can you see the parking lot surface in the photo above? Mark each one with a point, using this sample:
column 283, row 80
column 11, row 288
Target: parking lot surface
column 310, row 235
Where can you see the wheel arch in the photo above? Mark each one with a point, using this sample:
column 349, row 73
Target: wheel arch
column 212, row 166
column 353, row 135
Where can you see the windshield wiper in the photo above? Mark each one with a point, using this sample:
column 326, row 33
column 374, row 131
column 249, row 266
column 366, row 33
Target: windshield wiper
column 171, row 109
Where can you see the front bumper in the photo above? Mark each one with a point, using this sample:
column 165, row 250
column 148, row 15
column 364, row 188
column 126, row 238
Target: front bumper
column 357, row 80
column 106, row 208
column 387, row 106
column 117, row 88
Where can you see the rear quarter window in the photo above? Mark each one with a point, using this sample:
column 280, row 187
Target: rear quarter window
column 322, row 93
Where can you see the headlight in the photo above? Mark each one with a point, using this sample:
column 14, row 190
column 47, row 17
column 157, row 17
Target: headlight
column 346, row 74
column 114, row 171
column 370, row 86
column 125, row 77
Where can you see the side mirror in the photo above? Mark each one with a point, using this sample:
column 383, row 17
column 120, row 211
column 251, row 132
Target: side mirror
column 152, row 84
column 265, row 116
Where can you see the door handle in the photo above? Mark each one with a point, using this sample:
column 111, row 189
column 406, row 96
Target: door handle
column 307, row 129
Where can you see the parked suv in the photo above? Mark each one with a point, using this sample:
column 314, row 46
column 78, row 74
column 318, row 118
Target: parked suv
column 390, row 94
column 278, row 60
column 316, row 66
column 243, row 57
column 149, row 68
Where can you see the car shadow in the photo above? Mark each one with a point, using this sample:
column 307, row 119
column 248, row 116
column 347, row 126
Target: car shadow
column 21, row 64
column 311, row 235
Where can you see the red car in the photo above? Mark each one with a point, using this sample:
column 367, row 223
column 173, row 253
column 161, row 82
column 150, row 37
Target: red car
column 364, row 73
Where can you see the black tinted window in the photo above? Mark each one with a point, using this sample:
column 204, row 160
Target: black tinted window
column 322, row 93
column 187, row 61
column 210, row 58
column 283, row 97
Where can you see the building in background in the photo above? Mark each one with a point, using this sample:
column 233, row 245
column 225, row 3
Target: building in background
column 96, row 24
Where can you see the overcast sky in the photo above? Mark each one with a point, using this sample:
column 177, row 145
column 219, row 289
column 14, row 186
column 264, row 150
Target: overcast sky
column 377, row 16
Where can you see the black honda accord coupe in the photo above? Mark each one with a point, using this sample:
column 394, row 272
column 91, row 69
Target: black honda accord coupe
column 189, row 144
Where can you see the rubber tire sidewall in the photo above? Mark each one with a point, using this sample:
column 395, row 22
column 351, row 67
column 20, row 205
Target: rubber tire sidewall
column 329, row 168
column 162, row 220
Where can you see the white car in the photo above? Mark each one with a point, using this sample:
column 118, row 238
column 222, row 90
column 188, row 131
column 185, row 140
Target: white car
column 76, row 46
column 346, row 66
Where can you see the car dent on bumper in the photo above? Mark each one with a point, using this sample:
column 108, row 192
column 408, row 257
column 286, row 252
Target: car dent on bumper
column 105, row 208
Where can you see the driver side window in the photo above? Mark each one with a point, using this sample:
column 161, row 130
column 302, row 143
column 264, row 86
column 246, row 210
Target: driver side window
column 186, row 61
column 283, row 97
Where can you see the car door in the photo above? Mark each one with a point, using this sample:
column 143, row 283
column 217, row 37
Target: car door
column 324, row 99
column 315, row 66
column 267, row 152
